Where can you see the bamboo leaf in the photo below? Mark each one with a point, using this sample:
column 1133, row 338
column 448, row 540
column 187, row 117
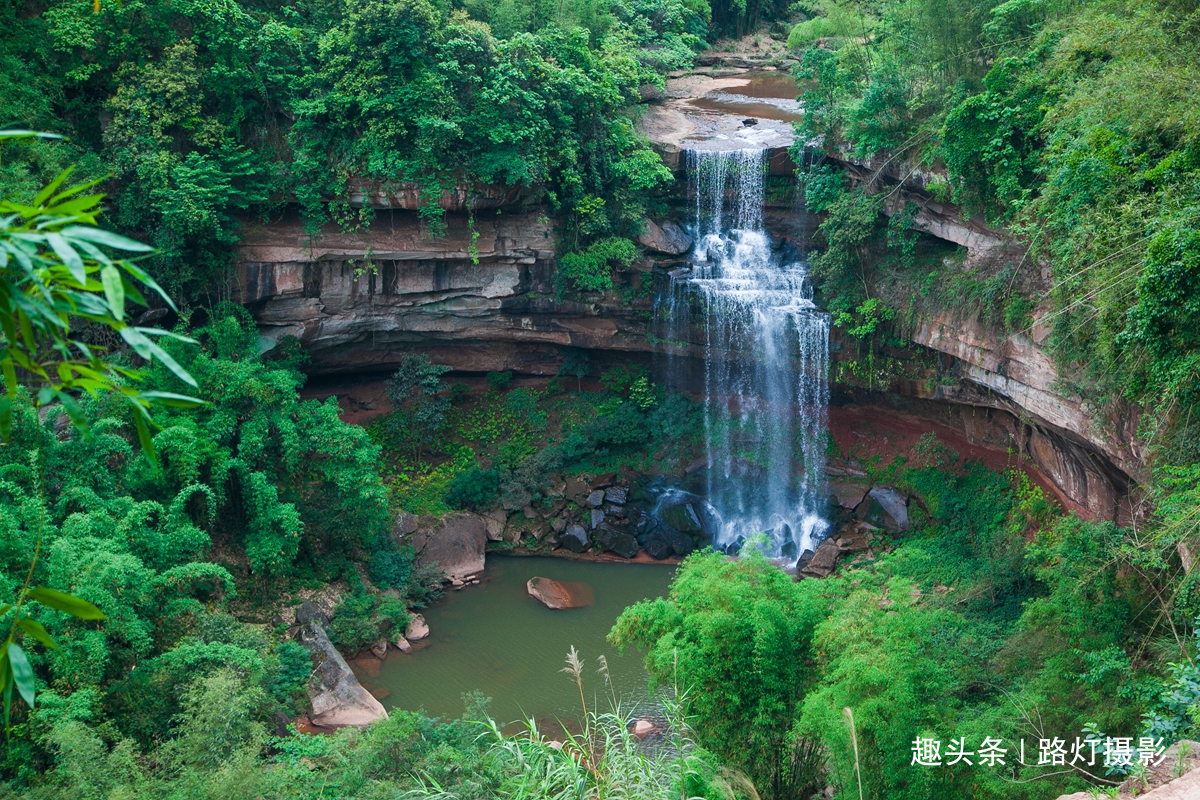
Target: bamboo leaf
column 172, row 400
column 143, row 432
column 114, row 290
column 144, row 277
column 61, row 601
column 35, row 629
column 106, row 238
column 63, row 249
column 149, row 350
column 46, row 193
column 22, row 673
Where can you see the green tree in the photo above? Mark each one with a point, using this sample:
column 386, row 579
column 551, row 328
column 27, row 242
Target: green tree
column 414, row 391
column 736, row 635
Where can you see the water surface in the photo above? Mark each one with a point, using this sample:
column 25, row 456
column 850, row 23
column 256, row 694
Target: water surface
column 497, row 639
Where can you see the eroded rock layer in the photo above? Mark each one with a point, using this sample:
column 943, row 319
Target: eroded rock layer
column 481, row 297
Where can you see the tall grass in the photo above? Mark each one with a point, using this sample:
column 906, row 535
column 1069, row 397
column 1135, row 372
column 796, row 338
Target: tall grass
column 604, row 762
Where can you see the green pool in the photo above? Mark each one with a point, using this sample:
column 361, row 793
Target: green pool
column 498, row 640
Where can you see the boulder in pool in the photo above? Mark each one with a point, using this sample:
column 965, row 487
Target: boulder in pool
column 337, row 699
column 417, row 628
column 558, row 595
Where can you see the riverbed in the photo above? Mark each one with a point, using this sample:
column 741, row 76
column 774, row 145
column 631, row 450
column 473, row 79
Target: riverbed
column 496, row 639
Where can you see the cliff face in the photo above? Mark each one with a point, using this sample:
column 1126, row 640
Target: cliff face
column 481, row 297
column 478, row 298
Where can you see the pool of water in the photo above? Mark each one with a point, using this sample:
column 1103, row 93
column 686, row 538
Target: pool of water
column 496, row 639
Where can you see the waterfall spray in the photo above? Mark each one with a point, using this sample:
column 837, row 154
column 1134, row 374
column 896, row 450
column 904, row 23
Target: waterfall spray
column 766, row 354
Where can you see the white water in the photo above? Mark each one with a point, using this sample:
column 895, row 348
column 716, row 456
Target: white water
column 766, row 354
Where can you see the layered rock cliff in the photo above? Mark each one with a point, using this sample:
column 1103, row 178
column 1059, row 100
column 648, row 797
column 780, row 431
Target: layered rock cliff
column 479, row 296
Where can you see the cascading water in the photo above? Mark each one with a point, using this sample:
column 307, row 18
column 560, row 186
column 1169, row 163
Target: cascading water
column 766, row 354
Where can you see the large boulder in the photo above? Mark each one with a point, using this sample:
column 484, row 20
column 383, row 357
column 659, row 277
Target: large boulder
column 617, row 495
column 494, row 522
column 886, row 508
column 575, row 539
column 609, row 538
column 667, row 238
column 456, row 543
column 680, row 542
column 656, row 544
column 824, row 560
column 405, row 524
column 848, row 493
column 417, row 628
column 682, row 517
column 310, row 612
column 336, row 697
column 557, row 595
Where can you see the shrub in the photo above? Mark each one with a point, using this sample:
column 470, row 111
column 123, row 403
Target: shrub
column 286, row 683
column 363, row 619
column 590, row 271
column 391, row 569
column 499, row 381
column 474, row 489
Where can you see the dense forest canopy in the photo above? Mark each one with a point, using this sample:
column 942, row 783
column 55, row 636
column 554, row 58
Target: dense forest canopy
column 204, row 114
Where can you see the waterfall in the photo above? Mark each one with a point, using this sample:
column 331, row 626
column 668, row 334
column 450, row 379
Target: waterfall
column 766, row 356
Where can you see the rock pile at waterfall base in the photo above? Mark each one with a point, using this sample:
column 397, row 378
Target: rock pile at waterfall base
column 865, row 518
column 605, row 514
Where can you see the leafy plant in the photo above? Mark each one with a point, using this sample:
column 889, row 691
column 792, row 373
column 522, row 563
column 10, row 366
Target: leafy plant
column 55, row 272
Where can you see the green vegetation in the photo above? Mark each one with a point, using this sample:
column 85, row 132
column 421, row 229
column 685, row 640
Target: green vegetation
column 203, row 118
column 1028, row 612
column 1067, row 122
column 222, row 750
column 512, row 445
column 164, row 495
